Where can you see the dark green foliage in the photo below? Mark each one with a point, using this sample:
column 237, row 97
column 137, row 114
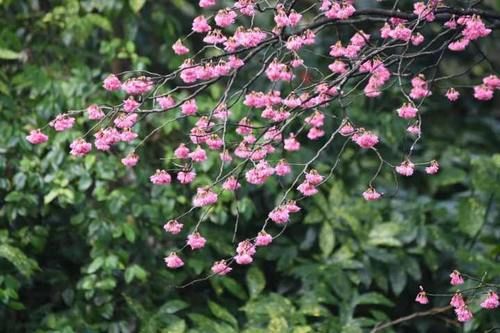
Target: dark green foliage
column 81, row 240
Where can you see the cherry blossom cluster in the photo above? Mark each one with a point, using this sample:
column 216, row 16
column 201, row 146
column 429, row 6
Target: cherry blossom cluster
column 460, row 303
column 288, row 103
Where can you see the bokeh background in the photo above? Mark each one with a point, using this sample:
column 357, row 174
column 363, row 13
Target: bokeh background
column 81, row 240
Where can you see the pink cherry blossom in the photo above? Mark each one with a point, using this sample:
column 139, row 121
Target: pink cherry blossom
column 433, row 168
column 112, row 83
column 165, row 102
column 130, row 160
column 371, row 194
column 173, row 261
column 186, row 176
column 201, row 25
column 94, row 112
column 36, row 137
column 173, row 227
column 452, row 94
column 365, row 139
column 406, row 168
column 407, row 111
column 204, row 197
column 161, row 177
column 463, row 314
column 263, row 239
column 422, row 297
column 196, row 241
column 80, row 147
column 491, row 302
column 179, row 48
column 456, row 278
column 62, row 122
column 130, row 105
column 221, row 268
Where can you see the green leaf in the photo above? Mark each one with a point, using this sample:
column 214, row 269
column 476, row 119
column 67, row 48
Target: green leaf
column 256, row 281
column 234, row 288
column 95, row 265
column 16, row 257
column 470, row 216
column 7, row 54
column 326, row 239
column 173, row 306
column 136, row 5
column 277, row 325
column 222, row 313
column 398, row 277
column 372, row 298
column 385, row 234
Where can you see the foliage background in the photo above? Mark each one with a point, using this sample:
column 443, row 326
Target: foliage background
column 81, row 240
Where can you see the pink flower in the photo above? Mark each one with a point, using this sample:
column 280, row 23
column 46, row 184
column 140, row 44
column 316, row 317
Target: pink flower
column 173, row 227
column 417, row 39
column 307, row 189
column 407, row 111
column 137, row 86
column 246, row 247
column 231, row 184
column 127, row 135
column 452, row 94
column 463, row 314
column 221, row 268
column 263, row 239
column 36, row 137
column 459, row 45
column 346, row 129
column 186, row 177
column 130, row 160
column 130, row 105
column 292, row 207
column 282, row 168
column 204, row 197
column 80, row 147
column 200, row 24
column 207, row 3
column 291, row 143
column 111, row 83
column 165, row 102
column 422, row 297
column 313, row 177
column 161, row 177
column 189, row 108
column 315, row 133
column 338, row 67
column 62, row 122
column 420, row 87
column 371, row 194
column 196, row 241
column 182, row 151
column 94, row 112
column 492, row 82
column 243, row 259
column 366, row 139
column 294, row 18
column 179, row 48
column 491, row 302
column 125, row 120
column 406, row 168
column 225, row 17
column 173, row 261
column 198, row 155
column 414, row 129
column 483, row 92
column 245, row 251
column 279, row 215
column 433, row 168
column 456, row 278
column 457, row 301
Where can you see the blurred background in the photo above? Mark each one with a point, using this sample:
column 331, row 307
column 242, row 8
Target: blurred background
column 81, row 240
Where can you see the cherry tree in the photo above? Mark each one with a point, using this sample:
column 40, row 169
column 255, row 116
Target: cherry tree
column 274, row 102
